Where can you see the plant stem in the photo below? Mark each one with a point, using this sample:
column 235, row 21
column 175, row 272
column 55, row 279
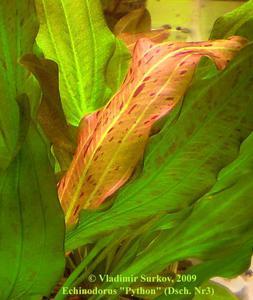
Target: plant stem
column 77, row 272
column 71, row 263
column 100, row 258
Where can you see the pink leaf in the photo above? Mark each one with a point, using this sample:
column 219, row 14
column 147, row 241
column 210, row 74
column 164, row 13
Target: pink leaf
column 112, row 140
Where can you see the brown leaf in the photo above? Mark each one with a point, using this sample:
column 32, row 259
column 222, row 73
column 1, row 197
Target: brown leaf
column 156, row 36
column 136, row 21
column 50, row 113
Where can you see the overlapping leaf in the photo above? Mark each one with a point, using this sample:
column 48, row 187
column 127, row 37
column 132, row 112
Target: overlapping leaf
column 136, row 21
column 31, row 223
column 210, row 234
column 218, row 218
column 220, row 292
column 50, row 113
column 18, row 28
column 238, row 21
column 32, row 227
column 156, row 36
column 120, row 11
column 183, row 160
column 112, row 140
column 75, row 36
column 227, row 266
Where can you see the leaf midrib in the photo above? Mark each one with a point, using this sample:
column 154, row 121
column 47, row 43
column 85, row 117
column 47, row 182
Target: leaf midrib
column 127, row 210
column 43, row 249
column 135, row 124
column 175, row 155
column 18, row 267
column 74, row 51
column 54, row 44
column 93, row 76
column 75, row 198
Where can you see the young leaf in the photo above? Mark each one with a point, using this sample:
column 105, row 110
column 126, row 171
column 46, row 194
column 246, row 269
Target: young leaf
column 31, row 223
column 181, row 163
column 156, row 36
column 235, row 22
column 74, row 35
column 18, row 28
column 117, row 66
column 114, row 10
column 112, row 140
column 120, row 59
column 136, row 21
column 50, row 113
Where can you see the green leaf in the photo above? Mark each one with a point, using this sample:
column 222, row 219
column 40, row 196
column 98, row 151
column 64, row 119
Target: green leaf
column 220, row 293
column 236, row 22
column 183, row 160
column 228, row 266
column 50, row 113
column 219, row 226
column 31, row 223
column 74, row 35
column 18, row 28
column 223, row 261
column 117, row 67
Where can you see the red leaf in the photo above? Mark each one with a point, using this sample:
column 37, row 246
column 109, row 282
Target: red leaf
column 112, row 140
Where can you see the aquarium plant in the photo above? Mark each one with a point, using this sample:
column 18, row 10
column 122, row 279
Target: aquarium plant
column 123, row 154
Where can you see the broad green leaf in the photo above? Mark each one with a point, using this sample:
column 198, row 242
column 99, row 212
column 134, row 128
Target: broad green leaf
column 117, row 67
column 219, row 226
column 18, row 28
column 31, row 223
column 182, row 161
column 225, row 263
column 219, row 293
column 50, row 113
column 74, row 35
column 112, row 140
column 228, row 266
column 236, row 22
